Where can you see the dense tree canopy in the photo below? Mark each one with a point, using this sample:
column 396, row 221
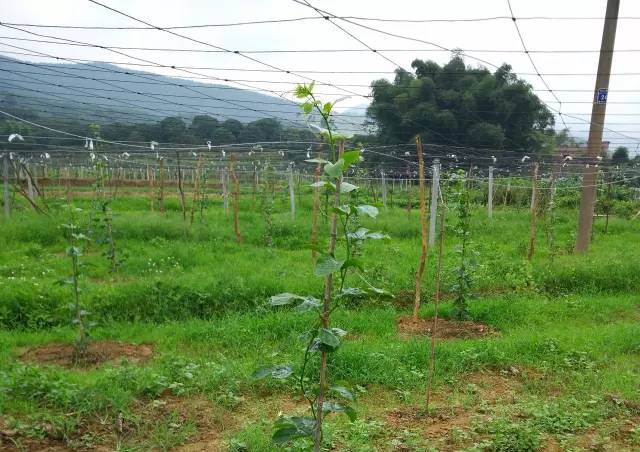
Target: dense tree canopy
column 459, row 105
column 202, row 128
column 620, row 155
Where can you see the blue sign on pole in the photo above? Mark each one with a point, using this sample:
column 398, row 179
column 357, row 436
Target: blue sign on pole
column 601, row 98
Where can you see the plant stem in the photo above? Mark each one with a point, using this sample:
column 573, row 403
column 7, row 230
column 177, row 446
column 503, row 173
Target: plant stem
column 326, row 307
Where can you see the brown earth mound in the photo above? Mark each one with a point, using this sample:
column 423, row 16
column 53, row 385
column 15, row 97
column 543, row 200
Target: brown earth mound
column 446, row 329
column 98, row 353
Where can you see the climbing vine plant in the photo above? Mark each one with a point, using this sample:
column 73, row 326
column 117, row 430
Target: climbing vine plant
column 342, row 258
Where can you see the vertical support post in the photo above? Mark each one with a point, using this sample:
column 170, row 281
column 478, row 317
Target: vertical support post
column 534, row 208
column 30, row 192
column 423, row 228
column 435, row 189
column 161, row 191
column 5, row 177
column 236, row 197
column 383, row 182
column 598, row 111
column 292, row 193
column 225, row 194
column 490, row 193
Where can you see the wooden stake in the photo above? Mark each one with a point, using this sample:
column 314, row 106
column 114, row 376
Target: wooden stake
column 292, row 194
column 196, row 188
column 534, row 208
column 236, row 197
column 435, row 192
column 423, row 228
column 5, row 177
column 434, row 328
column 316, row 208
column 161, row 191
column 181, row 189
column 326, row 310
column 490, row 193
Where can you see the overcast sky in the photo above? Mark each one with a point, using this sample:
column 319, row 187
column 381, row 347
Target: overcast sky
column 315, row 34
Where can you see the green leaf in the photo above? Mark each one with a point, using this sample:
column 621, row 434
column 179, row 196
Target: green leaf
column 323, row 183
column 307, row 108
column 368, row 210
column 352, row 292
column 317, row 160
column 326, row 108
column 309, row 304
column 359, row 234
column 377, row 236
column 353, row 262
column 330, row 406
column 289, row 428
column 334, row 169
column 342, row 391
column 280, row 372
column 326, row 265
column 339, row 332
column 341, row 210
column 284, row 298
column 350, row 157
column 346, row 187
column 328, row 341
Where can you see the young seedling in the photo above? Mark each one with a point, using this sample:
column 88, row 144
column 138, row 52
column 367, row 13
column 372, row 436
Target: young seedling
column 322, row 338
column 79, row 314
column 465, row 268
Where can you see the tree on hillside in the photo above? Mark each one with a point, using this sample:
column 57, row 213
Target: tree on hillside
column 620, row 155
column 459, row 105
column 203, row 127
column 173, row 130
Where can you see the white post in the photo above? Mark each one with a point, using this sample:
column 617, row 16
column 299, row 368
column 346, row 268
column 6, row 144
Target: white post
column 384, row 189
column 490, row 193
column 292, row 194
column 435, row 186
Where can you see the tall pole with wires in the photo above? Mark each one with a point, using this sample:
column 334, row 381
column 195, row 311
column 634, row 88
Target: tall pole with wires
column 590, row 175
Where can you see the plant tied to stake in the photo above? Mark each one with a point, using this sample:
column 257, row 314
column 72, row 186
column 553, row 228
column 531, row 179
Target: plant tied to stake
column 79, row 313
column 334, row 267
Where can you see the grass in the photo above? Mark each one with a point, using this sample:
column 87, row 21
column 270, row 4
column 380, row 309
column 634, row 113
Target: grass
column 564, row 369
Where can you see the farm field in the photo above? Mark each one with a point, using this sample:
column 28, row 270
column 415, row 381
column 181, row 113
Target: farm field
column 548, row 360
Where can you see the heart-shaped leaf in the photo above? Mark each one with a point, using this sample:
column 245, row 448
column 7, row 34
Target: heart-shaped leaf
column 279, row 372
column 334, row 169
column 327, row 264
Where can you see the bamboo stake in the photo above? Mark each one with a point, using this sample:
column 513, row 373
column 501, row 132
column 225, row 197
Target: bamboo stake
column 434, row 328
column 316, row 208
column 196, row 188
column 326, row 310
column 161, row 190
column 423, row 228
column 534, row 208
column 181, row 189
column 236, row 197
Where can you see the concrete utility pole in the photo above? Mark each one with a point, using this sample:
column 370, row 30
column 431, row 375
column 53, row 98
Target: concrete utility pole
column 590, row 175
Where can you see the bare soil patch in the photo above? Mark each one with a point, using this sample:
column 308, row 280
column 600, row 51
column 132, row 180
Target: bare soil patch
column 98, row 353
column 446, row 329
